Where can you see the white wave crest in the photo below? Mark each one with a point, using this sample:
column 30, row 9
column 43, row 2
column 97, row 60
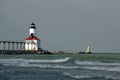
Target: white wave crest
column 11, row 62
column 49, row 61
column 24, row 61
column 116, row 69
column 37, row 63
column 76, row 76
column 84, row 76
column 96, row 63
column 49, row 66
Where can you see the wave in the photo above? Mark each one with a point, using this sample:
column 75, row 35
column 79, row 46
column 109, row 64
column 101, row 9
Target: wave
column 19, row 61
column 101, row 66
column 49, row 61
column 76, row 76
column 38, row 63
column 87, row 76
column 116, row 69
column 48, row 66
column 11, row 62
column 96, row 63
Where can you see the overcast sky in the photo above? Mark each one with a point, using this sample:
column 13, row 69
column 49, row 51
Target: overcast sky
column 64, row 24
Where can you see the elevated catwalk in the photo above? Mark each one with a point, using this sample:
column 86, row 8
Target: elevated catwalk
column 15, row 47
column 18, row 47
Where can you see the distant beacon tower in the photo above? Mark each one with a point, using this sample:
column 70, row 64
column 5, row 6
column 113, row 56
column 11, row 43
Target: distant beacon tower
column 88, row 49
column 32, row 42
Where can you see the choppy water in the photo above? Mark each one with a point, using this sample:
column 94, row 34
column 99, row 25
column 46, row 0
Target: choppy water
column 63, row 68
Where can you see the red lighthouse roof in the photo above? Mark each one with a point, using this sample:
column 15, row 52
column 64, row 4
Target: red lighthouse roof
column 34, row 38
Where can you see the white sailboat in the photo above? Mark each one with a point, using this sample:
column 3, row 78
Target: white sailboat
column 88, row 49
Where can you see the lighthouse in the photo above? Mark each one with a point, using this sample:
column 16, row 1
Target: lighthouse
column 32, row 29
column 32, row 42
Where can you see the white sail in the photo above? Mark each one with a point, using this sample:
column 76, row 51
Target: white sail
column 88, row 49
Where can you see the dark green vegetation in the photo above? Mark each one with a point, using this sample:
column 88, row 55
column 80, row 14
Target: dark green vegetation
column 97, row 56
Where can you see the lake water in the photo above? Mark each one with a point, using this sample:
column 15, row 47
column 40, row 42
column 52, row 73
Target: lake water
column 60, row 67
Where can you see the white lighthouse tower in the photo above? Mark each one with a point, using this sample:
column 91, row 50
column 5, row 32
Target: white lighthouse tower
column 32, row 29
column 32, row 42
column 88, row 49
